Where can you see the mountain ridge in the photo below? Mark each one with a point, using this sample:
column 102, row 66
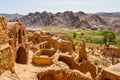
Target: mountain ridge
column 65, row 19
column 11, row 16
column 69, row 19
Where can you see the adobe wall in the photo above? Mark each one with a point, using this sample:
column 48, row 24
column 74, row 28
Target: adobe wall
column 18, row 37
column 41, row 60
column 83, row 67
column 54, row 44
column 82, row 52
column 109, row 75
column 66, row 46
column 43, row 57
column 111, row 51
column 6, row 52
column 46, row 38
column 60, row 71
column 48, row 52
column 17, row 32
column 35, row 38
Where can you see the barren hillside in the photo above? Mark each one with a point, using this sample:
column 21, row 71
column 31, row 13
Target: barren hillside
column 69, row 19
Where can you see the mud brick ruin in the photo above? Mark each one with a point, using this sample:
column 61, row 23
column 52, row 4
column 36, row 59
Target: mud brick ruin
column 18, row 38
column 52, row 53
column 6, row 51
column 82, row 52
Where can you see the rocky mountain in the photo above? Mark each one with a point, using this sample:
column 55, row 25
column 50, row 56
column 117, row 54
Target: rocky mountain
column 112, row 18
column 69, row 19
column 65, row 19
column 11, row 16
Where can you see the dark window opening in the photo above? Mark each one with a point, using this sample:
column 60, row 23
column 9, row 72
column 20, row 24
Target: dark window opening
column 107, row 79
column 19, row 37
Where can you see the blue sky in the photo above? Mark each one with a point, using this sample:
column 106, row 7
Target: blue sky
column 89, row 6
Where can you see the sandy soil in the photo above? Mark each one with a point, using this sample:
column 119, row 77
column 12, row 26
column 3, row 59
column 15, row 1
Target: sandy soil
column 22, row 72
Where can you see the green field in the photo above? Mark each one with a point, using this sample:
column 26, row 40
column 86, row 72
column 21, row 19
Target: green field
column 78, row 35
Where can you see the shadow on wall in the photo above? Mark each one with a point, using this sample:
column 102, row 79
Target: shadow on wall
column 21, row 56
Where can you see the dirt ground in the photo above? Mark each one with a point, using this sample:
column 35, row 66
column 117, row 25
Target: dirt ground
column 22, row 72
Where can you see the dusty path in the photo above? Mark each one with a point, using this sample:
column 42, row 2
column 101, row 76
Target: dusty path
column 22, row 72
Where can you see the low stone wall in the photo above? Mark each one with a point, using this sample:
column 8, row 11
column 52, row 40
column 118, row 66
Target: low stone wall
column 48, row 52
column 83, row 67
column 59, row 73
column 41, row 60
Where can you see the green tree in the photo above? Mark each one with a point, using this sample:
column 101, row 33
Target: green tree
column 109, row 37
column 82, row 33
column 74, row 35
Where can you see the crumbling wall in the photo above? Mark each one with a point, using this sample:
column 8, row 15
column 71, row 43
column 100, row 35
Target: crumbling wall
column 18, row 36
column 43, row 57
column 35, row 38
column 83, row 67
column 43, row 45
column 18, row 32
column 46, row 38
column 86, row 66
column 58, row 72
column 48, row 52
column 111, row 51
column 82, row 52
column 65, row 46
column 106, row 75
column 6, row 52
column 54, row 44
column 110, row 73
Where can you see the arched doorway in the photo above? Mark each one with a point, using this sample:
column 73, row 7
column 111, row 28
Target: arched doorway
column 21, row 56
